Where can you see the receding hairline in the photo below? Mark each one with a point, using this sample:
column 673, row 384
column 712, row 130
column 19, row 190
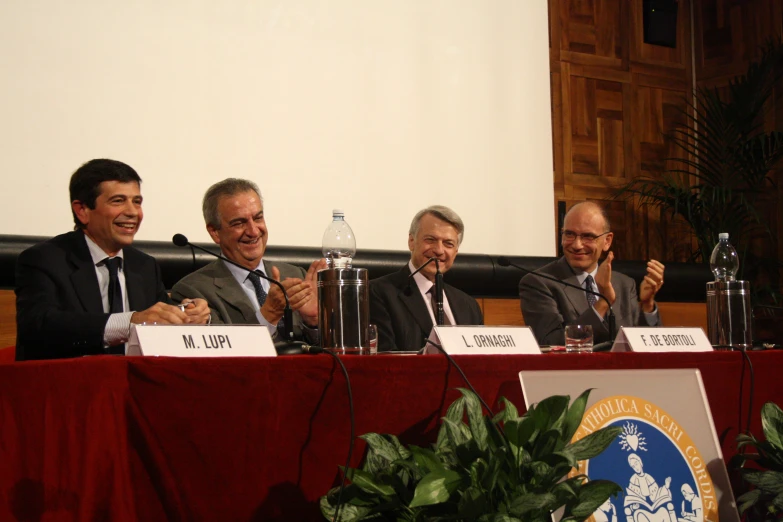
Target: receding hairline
column 442, row 213
column 589, row 206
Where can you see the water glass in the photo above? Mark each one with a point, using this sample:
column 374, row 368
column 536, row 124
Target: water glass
column 579, row 338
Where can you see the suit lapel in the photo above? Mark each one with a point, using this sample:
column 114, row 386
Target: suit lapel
column 83, row 278
column 577, row 298
column 414, row 302
column 229, row 290
column 134, row 283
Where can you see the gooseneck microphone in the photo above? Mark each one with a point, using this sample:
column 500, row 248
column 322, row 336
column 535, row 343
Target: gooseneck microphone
column 438, row 294
column 407, row 290
column 610, row 319
column 286, row 346
column 439, row 317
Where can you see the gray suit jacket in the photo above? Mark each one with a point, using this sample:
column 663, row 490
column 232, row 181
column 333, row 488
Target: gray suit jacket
column 548, row 306
column 228, row 303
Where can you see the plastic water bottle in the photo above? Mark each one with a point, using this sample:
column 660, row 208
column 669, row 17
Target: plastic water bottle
column 724, row 261
column 338, row 245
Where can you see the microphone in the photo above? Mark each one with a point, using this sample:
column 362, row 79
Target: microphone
column 407, row 290
column 438, row 294
column 285, row 347
column 610, row 319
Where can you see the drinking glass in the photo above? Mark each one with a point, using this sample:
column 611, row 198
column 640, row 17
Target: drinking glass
column 579, row 338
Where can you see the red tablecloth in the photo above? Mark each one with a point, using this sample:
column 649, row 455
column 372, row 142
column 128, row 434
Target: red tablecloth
column 113, row 438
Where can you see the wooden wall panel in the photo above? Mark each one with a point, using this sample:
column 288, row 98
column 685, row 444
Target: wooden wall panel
column 613, row 97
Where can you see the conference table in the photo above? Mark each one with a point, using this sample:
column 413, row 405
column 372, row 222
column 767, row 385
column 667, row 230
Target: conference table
column 240, row 439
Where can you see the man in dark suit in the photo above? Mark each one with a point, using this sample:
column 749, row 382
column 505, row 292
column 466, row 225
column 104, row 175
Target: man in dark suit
column 234, row 214
column 78, row 293
column 402, row 307
column 548, row 306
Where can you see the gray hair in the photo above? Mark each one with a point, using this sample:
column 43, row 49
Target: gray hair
column 592, row 205
column 227, row 187
column 440, row 212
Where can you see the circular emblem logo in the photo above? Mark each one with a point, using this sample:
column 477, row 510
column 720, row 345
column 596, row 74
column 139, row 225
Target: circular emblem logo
column 662, row 473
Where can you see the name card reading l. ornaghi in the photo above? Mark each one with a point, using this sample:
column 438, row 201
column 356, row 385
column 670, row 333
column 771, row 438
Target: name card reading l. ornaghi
column 201, row 341
column 484, row 340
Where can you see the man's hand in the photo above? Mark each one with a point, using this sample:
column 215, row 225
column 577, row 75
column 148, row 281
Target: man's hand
column 603, row 280
column 308, row 308
column 160, row 313
column 197, row 310
column 273, row 307
column 652, row 282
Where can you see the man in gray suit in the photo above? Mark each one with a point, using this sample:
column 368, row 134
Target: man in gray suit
column 234, row 214
column 548, row 306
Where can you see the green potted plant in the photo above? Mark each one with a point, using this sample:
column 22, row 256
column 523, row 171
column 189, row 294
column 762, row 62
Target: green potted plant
column 765, row 501
column 719, row 182
column 508, row 468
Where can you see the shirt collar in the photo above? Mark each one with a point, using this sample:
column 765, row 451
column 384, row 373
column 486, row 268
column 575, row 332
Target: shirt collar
column 96, row 253
column 241, row 274
column 583, row 275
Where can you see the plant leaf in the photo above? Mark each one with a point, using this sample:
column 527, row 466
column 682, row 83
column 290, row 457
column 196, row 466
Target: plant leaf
column 531, row 502
column 772, row 424
column 593, row 444
column 574, row 416
column 368, row 483
column 426, row 460
column 475, row 418
column 591, row 495
column 435, row 487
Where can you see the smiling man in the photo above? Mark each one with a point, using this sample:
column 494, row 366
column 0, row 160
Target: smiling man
column 78, row 293
column 234, row 214
column 402, row 307
column 548, row 306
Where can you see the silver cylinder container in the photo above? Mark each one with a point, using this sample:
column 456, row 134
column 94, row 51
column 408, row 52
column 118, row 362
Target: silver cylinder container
column 344, row 310
column 729, row 314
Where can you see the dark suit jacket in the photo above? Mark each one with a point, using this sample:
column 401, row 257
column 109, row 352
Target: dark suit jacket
column 403, row 320
column 548, row 306
column 227, row 301
column 59, row 312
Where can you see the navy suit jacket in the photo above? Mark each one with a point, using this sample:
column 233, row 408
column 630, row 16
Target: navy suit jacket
column 403, row 321
column 59, row 312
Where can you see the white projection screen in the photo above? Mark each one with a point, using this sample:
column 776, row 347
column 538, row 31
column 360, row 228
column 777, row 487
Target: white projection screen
column 378, row 107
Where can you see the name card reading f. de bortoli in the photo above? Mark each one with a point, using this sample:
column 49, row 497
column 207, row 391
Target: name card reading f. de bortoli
column 658, row 339
column 201, row 341
column 484, row 340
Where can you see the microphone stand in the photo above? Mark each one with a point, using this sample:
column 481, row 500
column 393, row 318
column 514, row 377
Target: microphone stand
column 438, row 294
column 610, row 318
column 284, row 347
column 408, row 290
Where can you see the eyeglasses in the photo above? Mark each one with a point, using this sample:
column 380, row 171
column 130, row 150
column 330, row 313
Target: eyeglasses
column 570, row 236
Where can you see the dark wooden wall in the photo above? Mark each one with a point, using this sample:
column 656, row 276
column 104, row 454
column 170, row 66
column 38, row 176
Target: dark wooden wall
column 614, row 95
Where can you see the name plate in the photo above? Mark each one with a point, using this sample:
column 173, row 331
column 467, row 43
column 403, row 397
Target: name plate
column 484, row 340
column 201, row 341
column 657, row 339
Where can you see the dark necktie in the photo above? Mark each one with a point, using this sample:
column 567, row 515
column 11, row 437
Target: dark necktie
column 434, row 300
column 116, row 305
column 260, row 293
column 591, row 298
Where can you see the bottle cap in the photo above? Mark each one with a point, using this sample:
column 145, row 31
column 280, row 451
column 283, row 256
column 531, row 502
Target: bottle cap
column 337, row 212
column 722, row 235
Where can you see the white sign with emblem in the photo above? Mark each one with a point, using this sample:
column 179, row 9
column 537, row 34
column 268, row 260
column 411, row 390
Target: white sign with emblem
column 484, row 340
column 201, row 341
column 658, row 339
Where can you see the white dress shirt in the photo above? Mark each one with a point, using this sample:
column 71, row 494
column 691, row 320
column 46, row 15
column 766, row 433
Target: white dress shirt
column 424, row 285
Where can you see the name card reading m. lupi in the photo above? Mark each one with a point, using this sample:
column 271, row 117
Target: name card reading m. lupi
column 484, row 340
column 658, row 339
column 201, row 341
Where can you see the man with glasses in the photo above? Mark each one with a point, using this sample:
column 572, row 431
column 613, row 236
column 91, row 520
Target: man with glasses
column 548, row 306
